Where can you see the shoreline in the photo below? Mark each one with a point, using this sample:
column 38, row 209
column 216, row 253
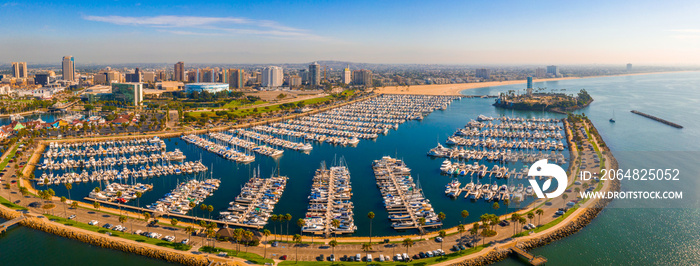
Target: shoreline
column 455, row 89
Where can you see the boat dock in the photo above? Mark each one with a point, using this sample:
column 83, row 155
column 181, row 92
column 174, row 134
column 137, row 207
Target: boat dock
column 532, row 259
column 255, row 203
column 404, row 201
column 174, row 215
column 657, row 119
column 330, row 200
column 4, row 226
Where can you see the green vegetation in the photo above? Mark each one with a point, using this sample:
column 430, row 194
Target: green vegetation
column 237, row 103
column 426, row 261
column 11, row 205
column 8, row 158
column 137, row 238
column 252, row 257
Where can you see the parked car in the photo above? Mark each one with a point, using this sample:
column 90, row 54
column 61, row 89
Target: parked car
column 438, row 239
column 369, row 257
column 283, row 257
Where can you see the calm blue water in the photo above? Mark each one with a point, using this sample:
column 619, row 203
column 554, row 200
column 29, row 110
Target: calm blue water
column 629, row 232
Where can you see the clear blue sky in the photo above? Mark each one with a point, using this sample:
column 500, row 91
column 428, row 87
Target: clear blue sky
column 440, row 32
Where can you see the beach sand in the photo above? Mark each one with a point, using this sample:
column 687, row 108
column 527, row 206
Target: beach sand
column 454, row 89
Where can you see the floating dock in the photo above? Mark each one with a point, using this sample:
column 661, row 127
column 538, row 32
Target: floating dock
column 657, row 119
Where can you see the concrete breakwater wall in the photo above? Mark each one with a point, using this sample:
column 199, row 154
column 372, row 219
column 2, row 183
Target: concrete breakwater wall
column 104, row 241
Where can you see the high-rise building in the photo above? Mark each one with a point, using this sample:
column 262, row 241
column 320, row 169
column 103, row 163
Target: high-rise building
column 205, row 75
column 41, row 79
column 553, row 70
column 346, row 76
column 629, row 67
column 294, row 81
column 19, row 69
column 128, row 93
column 149, row 77
column 134, row 77
column 483, row 73
column 540, row 72
column 314, row 74
column 179, row 73
column 362, row 77
column 68, row 67
column 529, row 82
column 236, row 78
column 272, row 76
column 304, row 74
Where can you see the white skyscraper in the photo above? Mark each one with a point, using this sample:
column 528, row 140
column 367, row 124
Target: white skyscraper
column 272, row 76
column 19, row 69
column 347, row 76
column 68, row 68
column 314, row 74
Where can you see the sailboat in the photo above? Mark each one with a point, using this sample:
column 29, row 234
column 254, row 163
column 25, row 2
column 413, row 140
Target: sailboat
column 612, row 120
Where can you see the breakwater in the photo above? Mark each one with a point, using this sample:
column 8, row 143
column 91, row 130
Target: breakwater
column 657, row 119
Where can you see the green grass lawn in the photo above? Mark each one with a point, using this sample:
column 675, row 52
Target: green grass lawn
column 238, row 103
column 252, row 257
column 258, row 110
column 125, row 235
column 8, row 157
column 11, row 205
column 427, row 261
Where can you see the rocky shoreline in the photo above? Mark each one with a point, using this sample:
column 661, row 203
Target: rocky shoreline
column 104, row 241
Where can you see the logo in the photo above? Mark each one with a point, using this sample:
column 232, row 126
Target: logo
column 542, row 168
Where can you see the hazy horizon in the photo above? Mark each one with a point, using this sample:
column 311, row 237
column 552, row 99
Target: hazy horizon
column 387, row 32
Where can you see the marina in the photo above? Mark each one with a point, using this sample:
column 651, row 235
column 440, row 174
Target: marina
column 405, row 202
column 254, row 205
column 330, row 209
column 246, row 145
column 222, row 150
column 185, row 196
column 122, row 193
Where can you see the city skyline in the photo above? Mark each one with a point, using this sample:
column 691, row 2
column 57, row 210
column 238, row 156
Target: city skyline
column 387, row 32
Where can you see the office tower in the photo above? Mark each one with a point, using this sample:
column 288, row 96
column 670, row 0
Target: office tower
column 41, row 79
column 294, row 81
column 629, row 67
column 149, row 77
column 540, row 72
column 206, row 75
column 68, row 67
column 179, row 73
column 304, row 74
column 134, row 77
column 346, row 76
column 128, row 93
column 362, row 77
column 529, row 82
column 236, row 79
column 19, row 69
column 483, row 73
column 314, row 74
column 272, row 77
column 553, row 70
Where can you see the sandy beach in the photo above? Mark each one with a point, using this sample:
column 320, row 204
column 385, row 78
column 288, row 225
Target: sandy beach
column 454, row 89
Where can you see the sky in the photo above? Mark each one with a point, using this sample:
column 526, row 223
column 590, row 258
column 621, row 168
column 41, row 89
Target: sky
column 378, row 31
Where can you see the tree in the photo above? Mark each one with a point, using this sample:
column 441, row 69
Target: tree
column 146, row 216
column 96, row 205
column 74, row 205
column 370, row 215
column 287, row 218
column 522, row 220
column 189, row 230
column 421, row 222
column 333, row 243
column 441, row 216
column 530, row 215
column 460, row 228
column 408, row 242
column 63, row 200
column 173, row 222
column 119, row 202
column 297, row 240
column 464, row 214
column 442, row 234
column 274, row 219
column 138, row 198
column 515, row 218
column 238, row 235
column 496, row 206
column 266, row 233
column 366, row 247
column 249, row 238
column 210, row 209
column 122, row 219
column 539, row 216
column 335, row 223
column 300, row 223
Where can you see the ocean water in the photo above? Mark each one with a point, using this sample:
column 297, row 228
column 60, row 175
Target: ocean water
column 628, row 232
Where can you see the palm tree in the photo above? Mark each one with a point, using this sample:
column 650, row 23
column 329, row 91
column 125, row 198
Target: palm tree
column 203, row 207
column 210, row 209
column 238, row 235
column 496, row 206
column 421, row 222
column 522, row 220
column 514, row 218
column 173, row 222
column 442, row 234
column 96, row 205
column 138, row 198
column 119, row 195
column 69, row 186
column 287, row 218
column 370, row 215
column 266, row 233
column 74, row 205
column 146, row 216
column 530, row 215
column 506, row 202
column 300, row 223
column 333, row 243
column 274, row 219
column 297, row 240
column 366, row 247
column 335, row 223
column 63, row 200
column 249, row 237
column 192, row 207
column 189, row 230
column 464, row 214
column 460, row 228
column 408, row 242
column 565, row 197
column 122, row 219
column 539, row 216
column 441, row 217
column 474, row 230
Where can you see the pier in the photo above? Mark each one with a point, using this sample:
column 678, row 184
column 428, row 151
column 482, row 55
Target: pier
column 4, row 226
column 192, row 218
column 532, row 259
column 657, row 119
